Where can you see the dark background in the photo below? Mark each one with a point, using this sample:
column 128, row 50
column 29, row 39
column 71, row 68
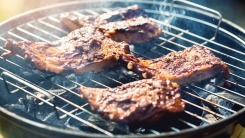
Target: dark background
column 233, row 10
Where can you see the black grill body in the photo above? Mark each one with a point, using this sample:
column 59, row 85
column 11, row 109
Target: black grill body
column 184, row 24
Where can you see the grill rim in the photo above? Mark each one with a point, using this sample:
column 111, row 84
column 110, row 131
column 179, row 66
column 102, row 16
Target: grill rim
column 18, row 120
column 234, row 118
column 5, row 24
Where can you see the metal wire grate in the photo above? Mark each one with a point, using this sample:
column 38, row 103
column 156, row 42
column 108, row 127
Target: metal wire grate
column 175, row 37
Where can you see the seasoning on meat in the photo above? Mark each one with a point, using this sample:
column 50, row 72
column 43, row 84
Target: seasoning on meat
column 144, row 101
column 188, row 66
column 82, row 50
column 73, row 21
column 134, row 30
column 123, row 25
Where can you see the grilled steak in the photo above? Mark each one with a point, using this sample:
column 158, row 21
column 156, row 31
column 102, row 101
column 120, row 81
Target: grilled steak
column 122, row 25
column 190, row 65
column 73, row 21
column 85, row 49
column 144, row 101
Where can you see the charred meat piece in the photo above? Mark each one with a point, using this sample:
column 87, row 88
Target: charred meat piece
column 191, row 65
column 134, row 30
column 74, row 21
column 123, row 25
column 144, row 101
column 82, row 50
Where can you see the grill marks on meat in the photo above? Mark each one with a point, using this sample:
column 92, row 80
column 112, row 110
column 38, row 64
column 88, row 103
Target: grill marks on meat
column 128, row 24
column 73, row 21
column 143, row 101
column 191, row 65
column 82, row 50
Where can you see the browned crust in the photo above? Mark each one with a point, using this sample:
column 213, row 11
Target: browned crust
column 82, row 50
column 73, row 21
column 128, row 24
column 144, row 101
column 193, row 64
column 134, row 30
column 70, row 23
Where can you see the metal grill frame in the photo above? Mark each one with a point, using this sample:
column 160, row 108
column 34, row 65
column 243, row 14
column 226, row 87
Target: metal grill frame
column 38, row 13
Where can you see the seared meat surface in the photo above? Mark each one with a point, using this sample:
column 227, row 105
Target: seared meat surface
column 134, row 30
column 144, row 101
column 188, row 66
column 126, row 24
column 82, row 50
column 97, row 42
column 73, row 21
column 121, row 14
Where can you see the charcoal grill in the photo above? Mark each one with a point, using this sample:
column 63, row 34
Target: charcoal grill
column 38, row 104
